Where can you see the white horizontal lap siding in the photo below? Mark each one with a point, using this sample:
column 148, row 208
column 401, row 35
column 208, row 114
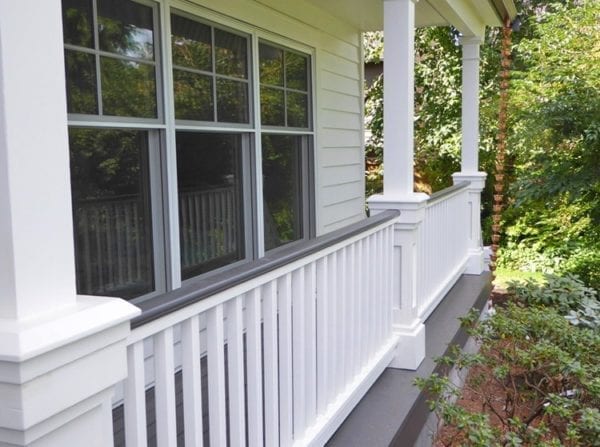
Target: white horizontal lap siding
column 338, row 108
column 340, row 165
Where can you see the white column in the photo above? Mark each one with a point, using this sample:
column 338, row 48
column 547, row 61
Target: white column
column 398, row 183
column 398, row 97
column 470, row 104
column 470, row 149
column 37, row 271
column 60, row 354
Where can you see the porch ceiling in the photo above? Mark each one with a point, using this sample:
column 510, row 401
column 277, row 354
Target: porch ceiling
column 468, row 16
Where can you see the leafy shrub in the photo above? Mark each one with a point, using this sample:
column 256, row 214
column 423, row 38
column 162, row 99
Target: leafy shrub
column 585, row 263
column 567, row 294
column 545, row 378
column 564, row 293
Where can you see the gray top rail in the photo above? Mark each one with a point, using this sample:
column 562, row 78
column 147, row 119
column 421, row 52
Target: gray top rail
column 201, row 288
column 439, row 195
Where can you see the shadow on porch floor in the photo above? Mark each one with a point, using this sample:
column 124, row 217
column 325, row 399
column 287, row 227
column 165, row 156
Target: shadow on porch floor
column 393, row 412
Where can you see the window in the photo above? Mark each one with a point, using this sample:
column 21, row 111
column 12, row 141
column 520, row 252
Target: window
column 139, row 118
column 284, row 101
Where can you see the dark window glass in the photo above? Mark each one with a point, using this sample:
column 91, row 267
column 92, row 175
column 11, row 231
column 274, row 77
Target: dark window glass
column 128, row 88
column 271, row 65
column 296, row 71
column 80, row 71
column 111, row 212
column 282, row 189
column 193, row 96
column 190, row 43
column 272, row 106
column 126, row 28
column 284, row 92
column 209, row 179
column 78, row 24
column 231, row 54
column 232, row 101
column 297, row 109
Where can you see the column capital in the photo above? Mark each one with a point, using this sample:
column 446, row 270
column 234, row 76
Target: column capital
column 470, row 40
column 476, row 179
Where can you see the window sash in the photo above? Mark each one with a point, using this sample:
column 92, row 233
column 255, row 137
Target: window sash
column 162, row 129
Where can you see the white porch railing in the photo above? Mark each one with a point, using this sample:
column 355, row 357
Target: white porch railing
column 442, row 245
column 288, row 353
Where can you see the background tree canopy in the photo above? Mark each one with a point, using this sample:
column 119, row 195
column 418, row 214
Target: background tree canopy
column 552, row 223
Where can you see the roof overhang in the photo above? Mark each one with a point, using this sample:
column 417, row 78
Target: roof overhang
column 470, row 17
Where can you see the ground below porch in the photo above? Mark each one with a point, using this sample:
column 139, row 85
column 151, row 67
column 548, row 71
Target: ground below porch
column 394, row 412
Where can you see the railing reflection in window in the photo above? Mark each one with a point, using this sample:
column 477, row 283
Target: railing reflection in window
column 208, row 226
column 112, row 247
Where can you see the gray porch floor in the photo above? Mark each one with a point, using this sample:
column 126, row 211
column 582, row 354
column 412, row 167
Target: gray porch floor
column 393, row 411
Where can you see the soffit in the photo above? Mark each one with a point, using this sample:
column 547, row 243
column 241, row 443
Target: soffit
column 469, row 16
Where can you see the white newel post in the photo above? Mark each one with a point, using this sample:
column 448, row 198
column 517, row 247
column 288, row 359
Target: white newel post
column 60, row 354
column 398, row 183
column 470, row 149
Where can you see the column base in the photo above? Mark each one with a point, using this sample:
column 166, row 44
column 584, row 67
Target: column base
column 476, row 262
column 58, row 371
column 410, row 351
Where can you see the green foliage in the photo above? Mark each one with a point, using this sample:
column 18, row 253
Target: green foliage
column 373, row 47
column 563, row 293
column 535, row 377
column 553, row 222
column 567, row 294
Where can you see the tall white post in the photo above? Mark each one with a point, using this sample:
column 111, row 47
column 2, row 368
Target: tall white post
column 398, row 183
column 470, row 149
column 60, row 355
column 398, row 98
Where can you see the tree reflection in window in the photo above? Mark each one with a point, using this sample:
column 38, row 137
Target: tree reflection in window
column 207, row 90
column 284, row 88
column 123, row 58
column 282, row 189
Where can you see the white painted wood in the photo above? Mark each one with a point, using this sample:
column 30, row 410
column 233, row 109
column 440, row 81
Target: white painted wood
column 299, row 351
column 311, row 342
column 363, row 259
column 381, row 279
column 166, row 431
column 192, row 385
column 475, row 263
column 254, row 367
column 334, row 318
column 351, row 297
column 323, row 335
column 399, row 29
column 235, row 365
column 443, row 248
column 389, row 274
column 135, row 396
column 286, row 422
column 306, row 331
column 342, row 339
column 37, row 272
column 216, row 376
column 326, row 426
column 202, row 306
column 271, row 362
